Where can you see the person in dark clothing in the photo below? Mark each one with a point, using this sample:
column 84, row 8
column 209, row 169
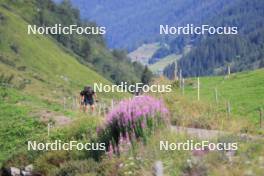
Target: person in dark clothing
column 87, row 98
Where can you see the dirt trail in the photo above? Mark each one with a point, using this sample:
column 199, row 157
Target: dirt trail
column 197, row 132
column 59, row 120
column 210, row 134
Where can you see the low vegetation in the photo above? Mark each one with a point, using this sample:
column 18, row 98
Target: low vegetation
column 226, row 103
column 140, row 159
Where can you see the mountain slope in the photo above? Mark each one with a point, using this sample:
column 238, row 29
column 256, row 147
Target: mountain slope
column 36, row 73
column 132, row 23
column 90, row 49
column 135, row 22
column 39, row 59
column 212, row 54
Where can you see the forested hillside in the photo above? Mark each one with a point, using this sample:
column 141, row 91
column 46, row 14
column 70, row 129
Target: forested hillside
column 131, row 23
column 212, row 54
column 90, row 50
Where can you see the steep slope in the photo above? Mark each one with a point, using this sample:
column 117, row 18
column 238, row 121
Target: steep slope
column 36, row 73
column 144, row 52
column 90, row 49
column 39, row 62
column 161, row 64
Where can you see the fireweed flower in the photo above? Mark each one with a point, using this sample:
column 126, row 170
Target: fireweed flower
column 134, row 119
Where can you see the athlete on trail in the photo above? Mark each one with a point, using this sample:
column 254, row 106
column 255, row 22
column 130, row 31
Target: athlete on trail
column 87, row 98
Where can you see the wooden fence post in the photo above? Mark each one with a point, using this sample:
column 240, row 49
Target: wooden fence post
column 260, row 117
column 64, row 103
column 180, row 78
column 73, row 103
column 104, row 109
column 228, row 71
column 183, row 86
column 198, row 88
column 216, row 95
column 76, row 102
column 99, row 109
column 112, row 104
column 49, row 127
column 175, row 71
column 228, row 108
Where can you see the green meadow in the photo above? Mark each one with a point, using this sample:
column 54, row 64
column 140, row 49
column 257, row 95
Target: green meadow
column 244, row 92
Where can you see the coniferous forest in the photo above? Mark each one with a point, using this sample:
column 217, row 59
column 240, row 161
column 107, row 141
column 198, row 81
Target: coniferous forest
column 212, row 54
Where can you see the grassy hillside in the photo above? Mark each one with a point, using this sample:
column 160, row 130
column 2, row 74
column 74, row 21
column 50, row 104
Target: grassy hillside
column 144, row 52
column 39, row 60
column 162, row 63
column 90, row 49
column 43, row 73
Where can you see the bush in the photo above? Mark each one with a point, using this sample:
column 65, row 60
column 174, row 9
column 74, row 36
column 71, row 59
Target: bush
column 72, row 168
column 133, row 119
column 49, row 163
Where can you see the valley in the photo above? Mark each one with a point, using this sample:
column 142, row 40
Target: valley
column 144, row 53
column 217, row 97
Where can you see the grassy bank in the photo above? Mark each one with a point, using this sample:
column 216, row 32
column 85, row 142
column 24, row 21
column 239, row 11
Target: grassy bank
column 244, row 91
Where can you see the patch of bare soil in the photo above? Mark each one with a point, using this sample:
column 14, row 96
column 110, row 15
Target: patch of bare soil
column 49, row 116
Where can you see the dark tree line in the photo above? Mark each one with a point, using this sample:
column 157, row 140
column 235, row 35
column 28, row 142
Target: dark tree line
column 211, row 54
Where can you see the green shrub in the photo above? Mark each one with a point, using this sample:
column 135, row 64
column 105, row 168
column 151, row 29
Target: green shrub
column 72, row 168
